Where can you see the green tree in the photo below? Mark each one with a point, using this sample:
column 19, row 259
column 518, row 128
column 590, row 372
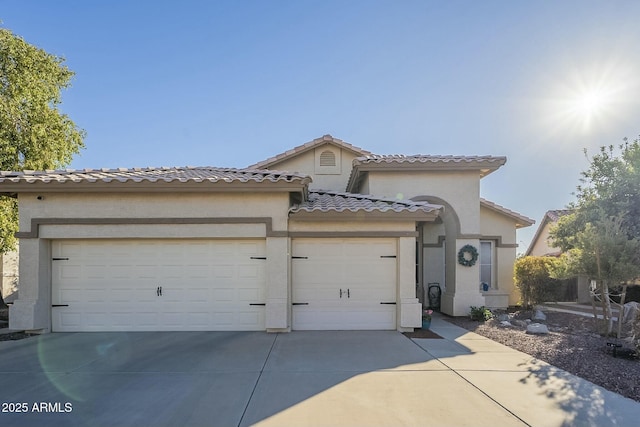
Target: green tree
column 604, row 252
column 609, row 188
column 34, row 133
column 601, row 237
column 533, row 279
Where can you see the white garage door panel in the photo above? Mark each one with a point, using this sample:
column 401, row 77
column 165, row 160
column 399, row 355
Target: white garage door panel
column 342, row 282
column 111, row 285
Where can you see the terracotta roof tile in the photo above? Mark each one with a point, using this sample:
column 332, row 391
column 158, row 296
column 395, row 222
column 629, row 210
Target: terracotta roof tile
column 161, row 174
column 325, row 201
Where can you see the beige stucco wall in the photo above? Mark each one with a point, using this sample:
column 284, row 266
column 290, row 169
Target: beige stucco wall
column 460, row 189
column 541, row 246
column 154, row 205
column 502, row 230
column 307, row 163
column 352, row 225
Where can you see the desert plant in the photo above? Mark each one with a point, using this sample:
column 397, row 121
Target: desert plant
column 480, row 314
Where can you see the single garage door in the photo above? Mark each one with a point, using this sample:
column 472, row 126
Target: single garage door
column 344, row 284
column 158, row 285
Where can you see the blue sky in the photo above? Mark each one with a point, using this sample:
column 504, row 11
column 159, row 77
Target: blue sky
column 229, row 83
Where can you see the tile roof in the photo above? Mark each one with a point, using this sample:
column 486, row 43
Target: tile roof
column 421, row 158
column 326, row 201
column 308, row 146
column 420, row 162
column 556, row 214
column 161, row 174
column 523, row 221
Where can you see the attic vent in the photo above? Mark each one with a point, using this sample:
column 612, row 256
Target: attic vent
column 327, row 158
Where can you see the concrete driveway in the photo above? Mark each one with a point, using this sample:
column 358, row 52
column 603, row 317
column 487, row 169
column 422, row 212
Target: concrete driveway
column 303, row 378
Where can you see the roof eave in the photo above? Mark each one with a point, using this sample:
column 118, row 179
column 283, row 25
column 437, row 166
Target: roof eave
column 363, row 215
column 152, row 186
column 520, row 220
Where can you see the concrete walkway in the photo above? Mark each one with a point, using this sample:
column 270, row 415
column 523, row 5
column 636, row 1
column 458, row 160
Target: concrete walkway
column 369, row 378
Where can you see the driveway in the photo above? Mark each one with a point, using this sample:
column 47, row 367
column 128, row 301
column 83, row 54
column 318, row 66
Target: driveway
column 372, row 378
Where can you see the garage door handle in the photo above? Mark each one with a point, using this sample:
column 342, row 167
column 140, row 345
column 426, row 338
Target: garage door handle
column 299, row 257
column 59, row 259
column 387, row 256
column 59, row 305
column 159, row 291
column 258, row 257
column 257, row 303
column 389, row 303
column 300, row 303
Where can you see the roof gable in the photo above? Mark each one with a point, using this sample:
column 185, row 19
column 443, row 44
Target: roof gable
column 300, row 149
column 521, row 220
column 549, row 217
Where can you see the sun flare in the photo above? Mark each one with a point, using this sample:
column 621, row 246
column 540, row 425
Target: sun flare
column 588, row 98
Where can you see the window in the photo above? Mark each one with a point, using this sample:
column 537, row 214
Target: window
column 486, row 265
column 327, row 158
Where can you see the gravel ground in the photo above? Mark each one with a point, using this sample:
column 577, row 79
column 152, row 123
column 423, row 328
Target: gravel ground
column 571, row 345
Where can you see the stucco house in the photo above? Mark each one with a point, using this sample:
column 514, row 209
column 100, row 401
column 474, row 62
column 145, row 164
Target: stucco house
column 323, row 236
column 541, row 245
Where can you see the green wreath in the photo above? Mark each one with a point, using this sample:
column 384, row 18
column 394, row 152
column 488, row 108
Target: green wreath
column 469, row 260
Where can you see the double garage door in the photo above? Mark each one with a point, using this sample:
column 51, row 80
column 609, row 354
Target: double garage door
column 149, row 285
column 217, row 285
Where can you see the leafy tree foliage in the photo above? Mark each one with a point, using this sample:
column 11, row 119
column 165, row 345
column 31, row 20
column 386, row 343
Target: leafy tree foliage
column 34, row 134
column 601, row 238
column 609, row 188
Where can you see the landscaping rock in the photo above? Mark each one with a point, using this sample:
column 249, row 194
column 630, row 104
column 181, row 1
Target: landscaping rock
column 504, row 317
column 538, row 316
column 537, row 329
column 506, row 323
column 519, row 323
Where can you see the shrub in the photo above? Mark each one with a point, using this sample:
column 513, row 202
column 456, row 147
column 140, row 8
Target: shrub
column 534, row 281
column 480, row 314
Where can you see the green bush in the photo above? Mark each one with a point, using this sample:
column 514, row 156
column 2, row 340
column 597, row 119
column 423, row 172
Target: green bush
column 533, row 280
column 480, row 314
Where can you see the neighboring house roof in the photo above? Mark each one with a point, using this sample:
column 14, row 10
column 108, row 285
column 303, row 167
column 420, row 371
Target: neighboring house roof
column 554, row 216
column 11, row 182
column 332, row 201
column 521, row 220
column 308, row 146
column 420, row 162
column 549, row 217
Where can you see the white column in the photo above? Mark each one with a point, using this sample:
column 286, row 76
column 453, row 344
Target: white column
column 32, row 309
column 409, row 307
column 465, row 292
column 277, row 309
